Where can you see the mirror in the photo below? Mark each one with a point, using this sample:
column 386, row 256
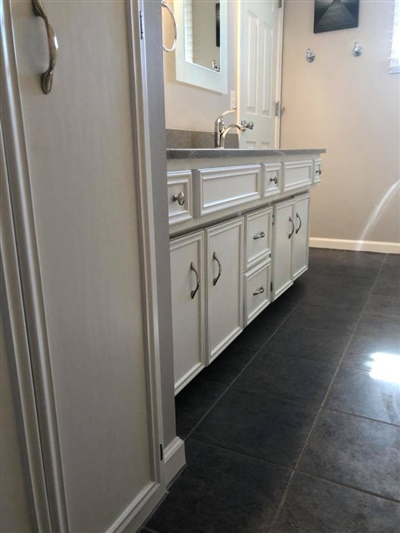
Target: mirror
column 202, row 47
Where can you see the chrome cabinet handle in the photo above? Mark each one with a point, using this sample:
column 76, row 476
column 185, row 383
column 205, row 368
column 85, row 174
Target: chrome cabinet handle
column 180, row 198
column 260, row 235
column 258, row 291
column 293, row 227
column 298, row 229
column 215, row 258
column 193, row 269
column 274, row 180
column 166, row 6
column 47, row 77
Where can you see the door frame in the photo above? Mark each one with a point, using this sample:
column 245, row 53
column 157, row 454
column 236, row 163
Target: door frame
column 45, row 472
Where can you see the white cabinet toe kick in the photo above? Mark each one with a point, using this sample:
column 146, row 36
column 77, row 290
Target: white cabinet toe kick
column 239, row 238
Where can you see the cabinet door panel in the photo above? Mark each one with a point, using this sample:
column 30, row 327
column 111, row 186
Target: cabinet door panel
column 257, row 290
column 187, row 307
column 300, row 236
column 282, row 251
column 224, row 284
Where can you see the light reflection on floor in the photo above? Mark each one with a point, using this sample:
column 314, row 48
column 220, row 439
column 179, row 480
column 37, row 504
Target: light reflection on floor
column 385, row 367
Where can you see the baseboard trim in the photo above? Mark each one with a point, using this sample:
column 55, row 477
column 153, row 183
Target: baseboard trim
column 359, row 246
column 174, row 459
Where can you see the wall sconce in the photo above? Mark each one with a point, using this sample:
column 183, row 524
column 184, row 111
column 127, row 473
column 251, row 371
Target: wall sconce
column 357, row 50
column 310, row 56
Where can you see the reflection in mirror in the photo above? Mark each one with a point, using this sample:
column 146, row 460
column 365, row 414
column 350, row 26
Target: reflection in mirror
column 202, row 48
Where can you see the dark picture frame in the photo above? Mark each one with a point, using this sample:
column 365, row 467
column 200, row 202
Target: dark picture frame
column 331, row 15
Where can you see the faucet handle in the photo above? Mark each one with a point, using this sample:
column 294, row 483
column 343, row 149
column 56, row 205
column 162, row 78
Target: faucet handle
column 247, row 125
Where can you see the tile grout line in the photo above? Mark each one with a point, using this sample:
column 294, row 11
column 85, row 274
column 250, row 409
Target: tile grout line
column 320, row 411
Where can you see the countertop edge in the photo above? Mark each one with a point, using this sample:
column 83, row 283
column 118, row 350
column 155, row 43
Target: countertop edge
column 209, row 153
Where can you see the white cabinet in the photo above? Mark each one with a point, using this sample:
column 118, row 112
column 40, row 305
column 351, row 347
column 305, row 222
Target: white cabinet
column 258, row 236
column 224, row 284
column 257, row 294
column 290, row 242
column 187, row 275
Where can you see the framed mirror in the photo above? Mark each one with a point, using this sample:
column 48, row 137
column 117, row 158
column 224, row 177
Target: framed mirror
column 202, row 46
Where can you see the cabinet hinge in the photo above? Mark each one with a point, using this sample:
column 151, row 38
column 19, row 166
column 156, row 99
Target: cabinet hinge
column 271, row 286
column 161, row 452
column 278, row 109
column 273, row 219
column 141, row 24
column 279, row 3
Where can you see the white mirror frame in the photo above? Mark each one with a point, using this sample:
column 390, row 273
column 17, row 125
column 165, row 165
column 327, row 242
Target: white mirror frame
column 198, row 75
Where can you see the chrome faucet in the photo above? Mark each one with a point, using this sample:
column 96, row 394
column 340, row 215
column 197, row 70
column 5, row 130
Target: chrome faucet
column 220, row 130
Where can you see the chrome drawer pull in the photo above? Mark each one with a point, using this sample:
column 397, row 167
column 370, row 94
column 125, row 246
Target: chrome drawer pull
column 274, row 180
column 298, row 229
column 260, row 235
column 258, row 291
column 193, row 269
column 215, row 258
column 180, row 198
column 47, row 76
column 293, row 227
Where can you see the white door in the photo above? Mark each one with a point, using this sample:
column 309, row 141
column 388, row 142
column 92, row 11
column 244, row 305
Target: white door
column 187, row 286
column 83, row 175
column 259, row 56
column 300, row 236
column 282, row 247
column 224, row 285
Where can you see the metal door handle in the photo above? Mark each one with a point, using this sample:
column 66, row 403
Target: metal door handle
column 47, row 77
column 215, row 258
column 293, row 227
column 260, row 235
column 180, row 198
column 166, row 6
column 258, row 291
column 193, row 269
column 298, row 229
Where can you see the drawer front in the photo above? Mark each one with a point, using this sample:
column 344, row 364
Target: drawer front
column 221, row 188
column 297, row 174
column 257, row 290
column 180, row 202
column 272, row 180
column 317, row 170
column 258, row 236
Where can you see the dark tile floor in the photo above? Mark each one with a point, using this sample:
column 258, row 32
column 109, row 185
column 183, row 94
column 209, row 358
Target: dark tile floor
column 296, row 426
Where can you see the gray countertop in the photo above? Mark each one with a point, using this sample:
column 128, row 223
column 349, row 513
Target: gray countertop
column 202, row 153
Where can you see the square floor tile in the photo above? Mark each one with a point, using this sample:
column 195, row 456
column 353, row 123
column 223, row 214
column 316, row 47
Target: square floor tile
column 356, row 392
column 353, row 451
column 362, row 350
column 257, row 333
column 221, row 492
column 338, row 298
column 193, row 402
column 328, row 319
column 287, row 377
column 379, row 326
column 387, row 285
column 259, row 426
column 308, row 343
column 228, row 365
column 378, row 304
column 317, row 506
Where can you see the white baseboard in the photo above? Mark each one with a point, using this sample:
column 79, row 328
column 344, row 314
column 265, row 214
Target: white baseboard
column 360, row 246
column 174, row 459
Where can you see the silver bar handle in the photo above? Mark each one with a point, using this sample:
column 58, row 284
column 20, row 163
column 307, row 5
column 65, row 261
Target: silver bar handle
column 298, row 229
column 47, row 76
column 166, row 6
column 293, row 227
column 193, row 269
column 215, row 258
column 260, row 235
column 258, row 291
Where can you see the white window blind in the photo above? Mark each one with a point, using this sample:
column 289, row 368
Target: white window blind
column 394, row 62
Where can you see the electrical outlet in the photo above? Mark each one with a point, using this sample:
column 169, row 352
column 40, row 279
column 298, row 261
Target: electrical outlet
column 233, row 99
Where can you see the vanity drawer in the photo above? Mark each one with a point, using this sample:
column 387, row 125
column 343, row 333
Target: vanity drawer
column 272, row 179
column 221, row 188
column 258, row 236
column 257, row 290
column 180, row 202
column 317, row 170
column 297, row 174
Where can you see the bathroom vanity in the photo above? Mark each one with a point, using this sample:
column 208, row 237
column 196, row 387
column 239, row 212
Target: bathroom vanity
column 239, row 224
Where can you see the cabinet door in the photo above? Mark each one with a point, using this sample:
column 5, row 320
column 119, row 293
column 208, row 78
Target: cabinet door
column 282, row 249
column 300, row 236
column 187, row 307
column 224, row 284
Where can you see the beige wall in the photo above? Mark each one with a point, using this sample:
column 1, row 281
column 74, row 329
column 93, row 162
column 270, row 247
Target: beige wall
column 350, row 106
column 192, row 108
